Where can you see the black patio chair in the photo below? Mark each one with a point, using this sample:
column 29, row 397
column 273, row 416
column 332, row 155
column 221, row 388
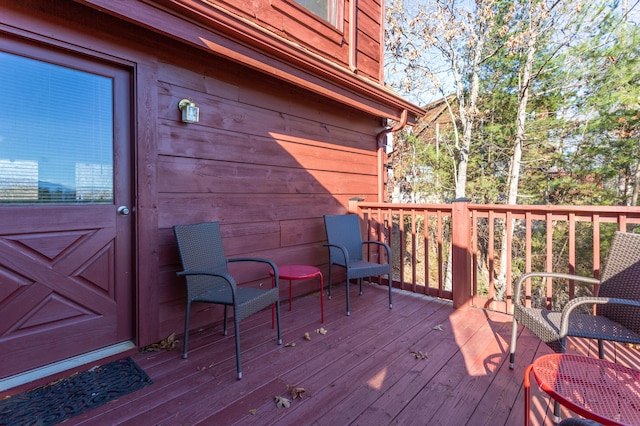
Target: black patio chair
column 345, row 250
column 208, row 280
column 575, row 421
column 617, row 305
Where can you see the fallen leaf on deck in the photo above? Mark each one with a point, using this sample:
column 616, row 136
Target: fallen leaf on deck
column 289, row 345
column 253, row 411
column 295, row 392
column 307, row 336
column 321, row 331
column 282, row 402
column 439, row 327
column 168, row 344
column 419, row 355
column 204, row 367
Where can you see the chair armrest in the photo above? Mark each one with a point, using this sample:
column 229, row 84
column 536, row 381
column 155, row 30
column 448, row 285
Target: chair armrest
column 589, row 300
column 271, row 263
column 345, row 253
column 380, row 243
column 524, row 277
column 228, row 278
column 205, row 272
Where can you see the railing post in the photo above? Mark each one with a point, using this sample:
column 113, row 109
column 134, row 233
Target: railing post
column 460, row 253
column 353, row 204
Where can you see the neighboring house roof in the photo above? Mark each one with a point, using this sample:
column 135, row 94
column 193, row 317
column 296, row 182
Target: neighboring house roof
column 435, row 112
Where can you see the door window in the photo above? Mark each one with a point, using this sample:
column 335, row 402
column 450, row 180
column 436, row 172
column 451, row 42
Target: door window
column 56, row 134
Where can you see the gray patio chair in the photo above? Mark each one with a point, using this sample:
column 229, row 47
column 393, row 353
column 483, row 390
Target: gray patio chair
column 208, row 280
column 345, row 250
column 617, row 305
column 575, row 421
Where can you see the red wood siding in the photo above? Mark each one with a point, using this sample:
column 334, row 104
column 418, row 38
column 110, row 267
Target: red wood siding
column 369, row 33
column 268, row 159
column 292, row 22
column 213, row 29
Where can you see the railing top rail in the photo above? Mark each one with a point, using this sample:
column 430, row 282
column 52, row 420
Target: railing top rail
column 405, row 206
column 555, row 208
column 508, row 207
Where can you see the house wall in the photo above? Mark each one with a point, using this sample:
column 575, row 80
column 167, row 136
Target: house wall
column 355, row 43
column 267, row 159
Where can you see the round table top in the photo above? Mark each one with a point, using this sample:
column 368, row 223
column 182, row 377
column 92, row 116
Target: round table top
column 594, row 388
column 297, row 272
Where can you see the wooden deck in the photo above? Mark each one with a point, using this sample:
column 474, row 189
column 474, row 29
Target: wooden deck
column 361, row 372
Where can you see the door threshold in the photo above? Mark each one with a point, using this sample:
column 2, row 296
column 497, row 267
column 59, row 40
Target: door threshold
column 66, row 364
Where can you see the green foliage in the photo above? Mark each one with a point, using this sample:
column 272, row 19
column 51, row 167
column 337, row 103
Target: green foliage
column 583, row 116
column 581, row 142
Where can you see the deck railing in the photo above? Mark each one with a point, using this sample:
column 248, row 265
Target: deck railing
column 454, row 251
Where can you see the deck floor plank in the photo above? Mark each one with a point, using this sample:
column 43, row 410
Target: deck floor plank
column 362, row 376
column 361, row 372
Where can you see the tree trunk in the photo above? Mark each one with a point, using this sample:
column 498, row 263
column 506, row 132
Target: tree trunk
column 468, row 113
column 636, row 184
column 516, row 159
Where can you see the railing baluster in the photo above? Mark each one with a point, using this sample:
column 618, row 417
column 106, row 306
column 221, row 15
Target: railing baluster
column 440, row 264
column 425, row 234
column 572, row 253
column 559, row 226
column 492, row 259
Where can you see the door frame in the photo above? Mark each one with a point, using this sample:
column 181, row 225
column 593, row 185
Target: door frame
column 50, row 50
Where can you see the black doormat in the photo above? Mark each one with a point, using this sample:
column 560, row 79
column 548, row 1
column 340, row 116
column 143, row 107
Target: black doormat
column 61, row 400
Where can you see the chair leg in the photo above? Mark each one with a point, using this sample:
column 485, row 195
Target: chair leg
column 224, row 332
column 186, row 330
column 360, row 282
column 236, row 326
column 329, row 292
column 601, row 348
column 556, row 412
column 278, row 321
column 347, row 287
column 390, row 287
column 512, row 346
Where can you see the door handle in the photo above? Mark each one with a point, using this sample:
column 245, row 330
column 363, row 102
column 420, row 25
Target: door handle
column 123, row 211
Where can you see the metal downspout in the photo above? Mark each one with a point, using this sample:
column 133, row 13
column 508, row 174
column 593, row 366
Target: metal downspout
column 382, row 154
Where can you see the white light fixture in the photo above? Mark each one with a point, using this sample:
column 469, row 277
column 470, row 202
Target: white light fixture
column 190, row 112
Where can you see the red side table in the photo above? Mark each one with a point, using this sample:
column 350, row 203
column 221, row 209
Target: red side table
column 298, row 272
column 593, row 388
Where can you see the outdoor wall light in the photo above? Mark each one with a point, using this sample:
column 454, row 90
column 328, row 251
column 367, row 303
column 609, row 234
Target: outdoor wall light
column 190, row 112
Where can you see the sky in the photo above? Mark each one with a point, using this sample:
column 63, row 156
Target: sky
column 55, row 122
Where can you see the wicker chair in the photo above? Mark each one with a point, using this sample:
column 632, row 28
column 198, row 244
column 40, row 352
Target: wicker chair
column 345, row 250
column 575, row 421
column 208, row 280
column 617, row 313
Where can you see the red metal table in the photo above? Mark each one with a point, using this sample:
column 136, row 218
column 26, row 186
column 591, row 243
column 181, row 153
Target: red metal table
column 593, row 388
column 299, row 272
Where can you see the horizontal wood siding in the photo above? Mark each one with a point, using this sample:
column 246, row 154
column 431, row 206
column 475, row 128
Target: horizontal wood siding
column 294, row 23
column 368, row 39
column 267, row 160
column 291, row 22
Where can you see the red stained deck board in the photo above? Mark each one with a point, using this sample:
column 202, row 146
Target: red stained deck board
column 361, row 372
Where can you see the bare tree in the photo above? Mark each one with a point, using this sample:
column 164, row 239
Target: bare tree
column 441, row 43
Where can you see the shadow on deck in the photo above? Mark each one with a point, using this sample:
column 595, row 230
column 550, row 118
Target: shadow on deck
column 363, row 371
